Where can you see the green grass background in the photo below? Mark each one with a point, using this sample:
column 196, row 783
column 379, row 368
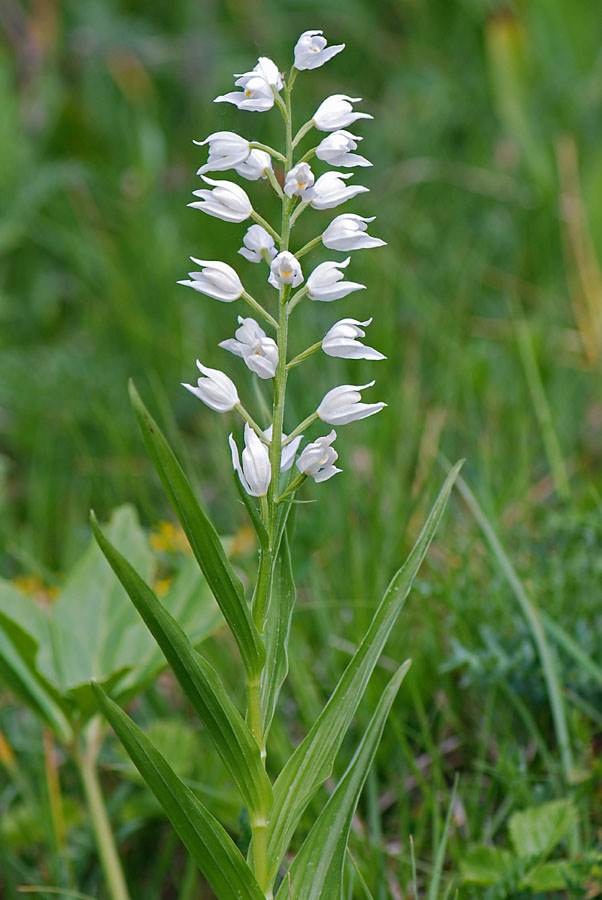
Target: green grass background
column 487, row 185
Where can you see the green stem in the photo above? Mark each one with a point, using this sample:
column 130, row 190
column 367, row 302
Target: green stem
column 258, row 308
column 250, row 421
column 303, row 356
column 304, row 424
column 256, row 145
column 265, row 224
column 293, row 487
column 274, row 182
column 86, row 763
column 296, row 298
column 307, row 156
column 309, row 246
column 302, row 132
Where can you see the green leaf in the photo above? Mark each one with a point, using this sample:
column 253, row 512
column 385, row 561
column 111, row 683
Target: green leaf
column 538, row 830
column 312, row 761
column 317, row 870
column 201, row 684
column 551, row 876
column 485, row 865
column 208, row 843
column 204, row 540
column 278, row 626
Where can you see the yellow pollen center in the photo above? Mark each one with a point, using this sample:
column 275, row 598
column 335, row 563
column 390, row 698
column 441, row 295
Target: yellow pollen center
column 286, row 272
column 248, row 93
column 301, row 184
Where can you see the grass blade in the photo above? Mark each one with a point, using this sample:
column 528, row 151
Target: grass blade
column 277, row 632
column 311, row 763
column 204, row 540
column 208, row 843
column 200, row 682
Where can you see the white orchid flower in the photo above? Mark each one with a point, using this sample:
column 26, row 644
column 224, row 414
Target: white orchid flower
column 215, row 389
column 325, row 282
column 348, row 232
column 299, row 181
column 329, row 190
column 341, row 340
column 289, row 451
column 256, row 94
column 311, row 50
column 337, row 112
column 258, row 244
column 342, row 405
column 255, row 165
column 226, row 201
column 285, row 269
column 337, row 148
column 226, row 151
column 256, row 471
column 259, row 352
column 318, row 458
column 217, row 280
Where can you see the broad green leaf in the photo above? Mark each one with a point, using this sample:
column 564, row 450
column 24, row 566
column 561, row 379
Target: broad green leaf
column 538, row 830
column 208, row 843
column 551, row 876
column 204, row 540
column 317, row 870
column 201, row 684
column 278, row 627
column 485, row 865
column 312, row 761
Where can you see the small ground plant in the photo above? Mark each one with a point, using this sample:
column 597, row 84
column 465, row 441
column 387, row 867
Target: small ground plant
column 275, row 463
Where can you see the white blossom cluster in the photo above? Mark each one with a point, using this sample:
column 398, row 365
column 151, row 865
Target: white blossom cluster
column 298, row 188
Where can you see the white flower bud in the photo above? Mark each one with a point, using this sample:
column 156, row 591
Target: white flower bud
column 226, row 151
column 299, row 180
column 217, row 280
column 348, row 232
column 342, row 405
column 336, row 112
column 289, row 451
column 255, row 165
column 329, row 190
column 341, row 340
column 285, row 269
column 256, row 472
column 216, row 390
column 336, row 150
column 257, row 242
column 318, row 458
column 311, row 50
column 226, row 201
column 259, row 352
column 325, row 282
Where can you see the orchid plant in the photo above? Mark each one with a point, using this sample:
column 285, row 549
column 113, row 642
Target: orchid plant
column 270, row 470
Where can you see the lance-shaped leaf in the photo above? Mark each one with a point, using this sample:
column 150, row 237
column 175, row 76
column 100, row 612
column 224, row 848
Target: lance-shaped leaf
column 201, row 684
column 278, row 626
column 204, row 540
column 208, row 843
column 317, row 870
column 312, row 761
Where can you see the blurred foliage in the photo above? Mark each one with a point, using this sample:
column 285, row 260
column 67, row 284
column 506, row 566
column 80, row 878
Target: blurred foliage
column 488, row 183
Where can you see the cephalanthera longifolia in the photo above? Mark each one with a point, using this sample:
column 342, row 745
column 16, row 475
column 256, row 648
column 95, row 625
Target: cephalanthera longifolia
column 278, row 457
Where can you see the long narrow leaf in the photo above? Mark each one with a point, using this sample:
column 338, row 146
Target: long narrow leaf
column 204, row 540
column 208, row 843
column 317, row 870
column 311, row 763
column 201, row 684
column 277, row 631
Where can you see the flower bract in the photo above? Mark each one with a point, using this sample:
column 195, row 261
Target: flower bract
column 215, row 389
